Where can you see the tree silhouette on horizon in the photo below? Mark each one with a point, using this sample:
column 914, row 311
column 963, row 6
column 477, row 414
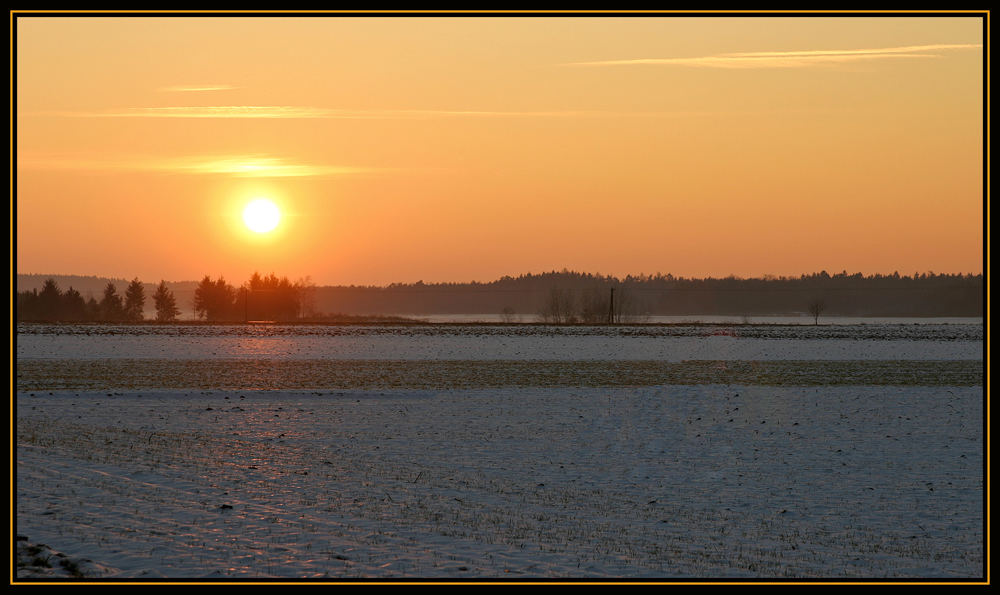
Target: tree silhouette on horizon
column 166, row 304
column 135, row 301
column 111, row 307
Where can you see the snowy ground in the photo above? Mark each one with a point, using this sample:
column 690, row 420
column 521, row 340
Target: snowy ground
column 520, row 343
column 442, row 456
column 659, row 482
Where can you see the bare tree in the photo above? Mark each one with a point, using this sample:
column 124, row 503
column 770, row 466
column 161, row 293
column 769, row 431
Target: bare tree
column 307, row 297
column 558, row 308
column 594, row 305
column 507, row 315
column 816, row 307
column 627, row 307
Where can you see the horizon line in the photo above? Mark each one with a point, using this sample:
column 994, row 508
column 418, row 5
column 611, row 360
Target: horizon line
column 620, row 278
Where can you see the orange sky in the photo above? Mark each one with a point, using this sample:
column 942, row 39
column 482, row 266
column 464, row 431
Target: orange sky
column 459, row 149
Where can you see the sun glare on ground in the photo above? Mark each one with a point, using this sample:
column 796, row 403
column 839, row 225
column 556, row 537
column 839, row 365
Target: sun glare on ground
column 261, row 215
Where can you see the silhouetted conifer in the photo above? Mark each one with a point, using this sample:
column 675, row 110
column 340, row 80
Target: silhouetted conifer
column 49, row 301
column 135, row 301
column 215, row 300
column 111, row 308
column 74, row 309
column 166, row 305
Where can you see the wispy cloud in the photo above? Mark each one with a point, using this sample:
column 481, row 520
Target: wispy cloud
column 310, row 113
column 255, row 166
column 210, row 111
column 792, row 59
column 241, row 166
column 196, row 88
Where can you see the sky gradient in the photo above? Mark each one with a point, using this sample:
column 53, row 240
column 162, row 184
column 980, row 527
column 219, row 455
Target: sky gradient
column 459, row 149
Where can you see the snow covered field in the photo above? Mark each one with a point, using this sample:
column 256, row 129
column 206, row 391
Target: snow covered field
column 871, row 476
column 661, row 343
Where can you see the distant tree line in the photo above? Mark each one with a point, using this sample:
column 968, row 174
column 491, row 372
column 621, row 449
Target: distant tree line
column 566, row 296
column 555, row 297
column 52, row 304
column 260, row 298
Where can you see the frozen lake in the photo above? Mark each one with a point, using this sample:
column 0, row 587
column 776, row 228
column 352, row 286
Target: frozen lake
column 479, row 452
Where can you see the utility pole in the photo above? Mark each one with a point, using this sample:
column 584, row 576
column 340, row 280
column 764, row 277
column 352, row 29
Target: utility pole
column 611, row 308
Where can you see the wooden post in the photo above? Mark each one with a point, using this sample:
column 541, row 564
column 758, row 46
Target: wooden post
column 611, row 308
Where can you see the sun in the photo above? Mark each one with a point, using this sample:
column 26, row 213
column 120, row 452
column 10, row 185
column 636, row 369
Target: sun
column 261, row 215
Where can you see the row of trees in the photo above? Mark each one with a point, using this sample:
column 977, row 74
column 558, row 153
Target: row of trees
column 52, row 304
column 593, row 305
column 845, row 294
column 260, row 298
column 555, row 297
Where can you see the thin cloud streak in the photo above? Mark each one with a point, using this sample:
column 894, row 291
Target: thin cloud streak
column 790, row 59
column 240, row 166
column 196, row 88
column 879, row 51
column 255, row 166
column 314, row 113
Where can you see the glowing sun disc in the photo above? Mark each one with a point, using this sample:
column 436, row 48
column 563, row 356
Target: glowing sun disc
column 261, row 215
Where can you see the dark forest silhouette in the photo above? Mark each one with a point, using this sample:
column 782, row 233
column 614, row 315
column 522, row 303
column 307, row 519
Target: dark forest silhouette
column 260, row 298
column 554, row 297
column 52, row 304
column 569, row 296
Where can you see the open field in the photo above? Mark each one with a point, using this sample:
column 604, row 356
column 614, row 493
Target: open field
column 301, row 374
column 483, row 467
column 668, row 343
column 693, row 481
